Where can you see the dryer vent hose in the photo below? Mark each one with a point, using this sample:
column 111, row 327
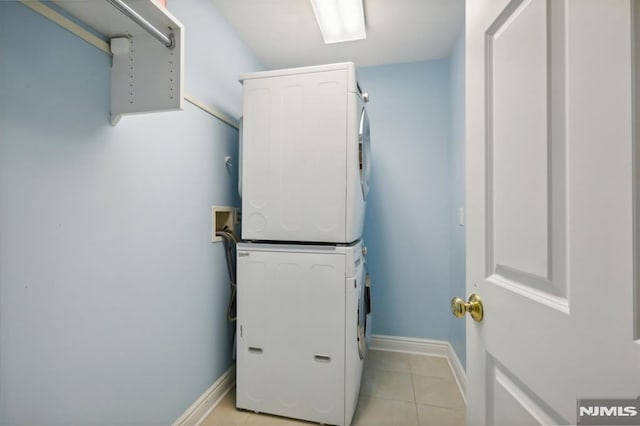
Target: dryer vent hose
column 230, row 240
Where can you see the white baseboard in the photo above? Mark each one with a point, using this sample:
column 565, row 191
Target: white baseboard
column 209, row 400
column 409, row 345
column 430, row 347
column 459, row 373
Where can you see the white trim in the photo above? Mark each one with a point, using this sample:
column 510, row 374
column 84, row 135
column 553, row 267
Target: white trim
column 411, row 345
column 54, row 16
column 213, row 111
column 209, row 400
column 459, row 372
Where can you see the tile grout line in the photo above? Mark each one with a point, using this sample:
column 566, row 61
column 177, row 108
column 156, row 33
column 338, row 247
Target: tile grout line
column 413, row 385
column 415, row 399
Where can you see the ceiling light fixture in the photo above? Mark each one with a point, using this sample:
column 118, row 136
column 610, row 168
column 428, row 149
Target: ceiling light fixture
column 340, row 20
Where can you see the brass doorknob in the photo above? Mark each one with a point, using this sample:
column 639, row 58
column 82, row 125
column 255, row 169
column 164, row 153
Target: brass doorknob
column 474, row 306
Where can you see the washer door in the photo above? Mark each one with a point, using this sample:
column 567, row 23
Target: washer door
column 364, row 307
column 364, row 139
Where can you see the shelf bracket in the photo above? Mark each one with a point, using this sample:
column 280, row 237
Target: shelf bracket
column 168, row 41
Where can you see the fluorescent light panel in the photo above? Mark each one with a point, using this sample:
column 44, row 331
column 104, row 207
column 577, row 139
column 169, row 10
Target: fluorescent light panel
column 340, row 20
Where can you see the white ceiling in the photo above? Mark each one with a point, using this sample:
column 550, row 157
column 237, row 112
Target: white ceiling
column 284, row 33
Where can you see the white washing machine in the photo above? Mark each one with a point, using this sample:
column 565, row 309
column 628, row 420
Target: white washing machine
column 301, row 330
column 304, row 155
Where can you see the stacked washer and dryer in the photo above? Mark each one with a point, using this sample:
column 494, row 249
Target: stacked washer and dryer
column 303, row 298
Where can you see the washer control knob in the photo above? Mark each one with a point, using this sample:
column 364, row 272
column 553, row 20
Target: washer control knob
column 365, row 97
column 364, row 250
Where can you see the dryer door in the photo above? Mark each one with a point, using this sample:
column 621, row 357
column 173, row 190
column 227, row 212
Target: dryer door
column 365, row 152
column 364, row 307
column 367, row 308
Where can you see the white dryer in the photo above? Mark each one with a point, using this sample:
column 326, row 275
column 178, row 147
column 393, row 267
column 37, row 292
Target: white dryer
column 301, row 330
column 304, row 155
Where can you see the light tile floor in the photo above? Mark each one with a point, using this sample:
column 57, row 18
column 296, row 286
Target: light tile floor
column 397, row 390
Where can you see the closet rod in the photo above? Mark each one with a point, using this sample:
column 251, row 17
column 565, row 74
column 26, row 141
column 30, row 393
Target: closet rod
column 170, row 41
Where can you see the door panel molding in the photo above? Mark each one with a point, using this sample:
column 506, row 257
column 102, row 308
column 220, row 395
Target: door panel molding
column 517, row 147
column 509, row 401
column 525, row 155
column 528, row 286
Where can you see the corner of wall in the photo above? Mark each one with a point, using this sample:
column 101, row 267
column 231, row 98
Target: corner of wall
column 457, row 287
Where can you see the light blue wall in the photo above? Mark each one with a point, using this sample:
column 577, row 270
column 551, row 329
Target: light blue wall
column 458, row 257
column 407, row 229
column 112, row 297
column 215, row 55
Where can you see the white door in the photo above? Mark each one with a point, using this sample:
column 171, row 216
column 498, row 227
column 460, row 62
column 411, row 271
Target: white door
column 550, row 210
